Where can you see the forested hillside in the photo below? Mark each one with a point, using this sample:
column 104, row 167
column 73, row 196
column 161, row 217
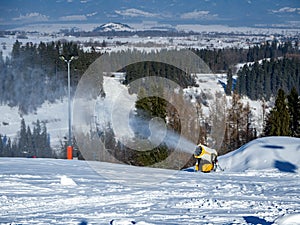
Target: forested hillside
column 263, row 80
column 273, row 66
column 35, row 74
column 220, row 60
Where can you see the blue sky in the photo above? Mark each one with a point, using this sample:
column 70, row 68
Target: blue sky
column 226, row 12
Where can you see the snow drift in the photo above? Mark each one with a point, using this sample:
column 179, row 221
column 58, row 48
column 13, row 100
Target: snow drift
column 279, row 153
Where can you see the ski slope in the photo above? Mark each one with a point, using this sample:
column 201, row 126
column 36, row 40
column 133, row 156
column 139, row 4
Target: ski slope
column 55, row 115
column 51, row 191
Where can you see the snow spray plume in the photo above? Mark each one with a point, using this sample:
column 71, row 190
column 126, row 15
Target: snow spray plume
column 156, row 133
column 152, row 133
column 87, row 98
column 172, row 139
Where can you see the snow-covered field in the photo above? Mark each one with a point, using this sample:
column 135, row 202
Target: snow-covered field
column 146, row 44
column 49, row 191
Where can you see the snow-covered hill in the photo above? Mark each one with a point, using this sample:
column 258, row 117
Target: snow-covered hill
column 49, row 191
column 110, row 27
column 55, row 115
column 269, row 153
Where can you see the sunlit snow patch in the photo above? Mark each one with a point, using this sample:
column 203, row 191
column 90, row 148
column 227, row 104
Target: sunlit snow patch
column 293, row 219
column 66, row 181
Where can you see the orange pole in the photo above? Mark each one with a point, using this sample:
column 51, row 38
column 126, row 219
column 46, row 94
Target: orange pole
column 70, row 152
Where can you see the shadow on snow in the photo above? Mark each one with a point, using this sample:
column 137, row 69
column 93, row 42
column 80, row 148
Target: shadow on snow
column 285, row 166
column 256, row 220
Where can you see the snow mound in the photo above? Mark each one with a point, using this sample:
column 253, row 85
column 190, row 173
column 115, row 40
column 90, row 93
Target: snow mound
column 279, row 153
column 293, row 219
column 66, row 181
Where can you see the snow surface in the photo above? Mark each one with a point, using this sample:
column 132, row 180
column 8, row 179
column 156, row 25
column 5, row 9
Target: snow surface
column 32, row 191
column 64, row 180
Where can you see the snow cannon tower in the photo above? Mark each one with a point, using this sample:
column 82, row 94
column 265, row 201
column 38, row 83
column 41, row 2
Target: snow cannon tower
column 206, row 158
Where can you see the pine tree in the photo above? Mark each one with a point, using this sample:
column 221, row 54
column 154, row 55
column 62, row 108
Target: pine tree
column 294, row 111
column 241, row 81
column 278, row 120
column 16, row 50
column 36, row 138
column 44, row 143
column 22, row 145
column 151, row 106
column 229, row 83
column 30, row 147
column 1, row 146
column 14, row 149
column 8, row 149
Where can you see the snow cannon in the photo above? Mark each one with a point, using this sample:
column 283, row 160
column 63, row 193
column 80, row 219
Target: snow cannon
column 206, row 158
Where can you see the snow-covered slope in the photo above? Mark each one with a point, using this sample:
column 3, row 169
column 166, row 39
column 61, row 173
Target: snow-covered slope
column 54, row 115
column 269, row 153
column 51, row 191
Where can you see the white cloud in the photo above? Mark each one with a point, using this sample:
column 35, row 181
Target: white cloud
column 77, row 17
column 135, row 13
column 198, row 15
column 32, row 17
column 92, row 14
column 73, row 18
column 287, row 10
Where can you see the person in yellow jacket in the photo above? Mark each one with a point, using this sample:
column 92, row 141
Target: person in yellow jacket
column 206, row 158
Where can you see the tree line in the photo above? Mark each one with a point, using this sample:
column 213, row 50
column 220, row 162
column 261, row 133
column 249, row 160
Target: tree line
column 29, row 142
column 263, row 80
column 221, row 60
